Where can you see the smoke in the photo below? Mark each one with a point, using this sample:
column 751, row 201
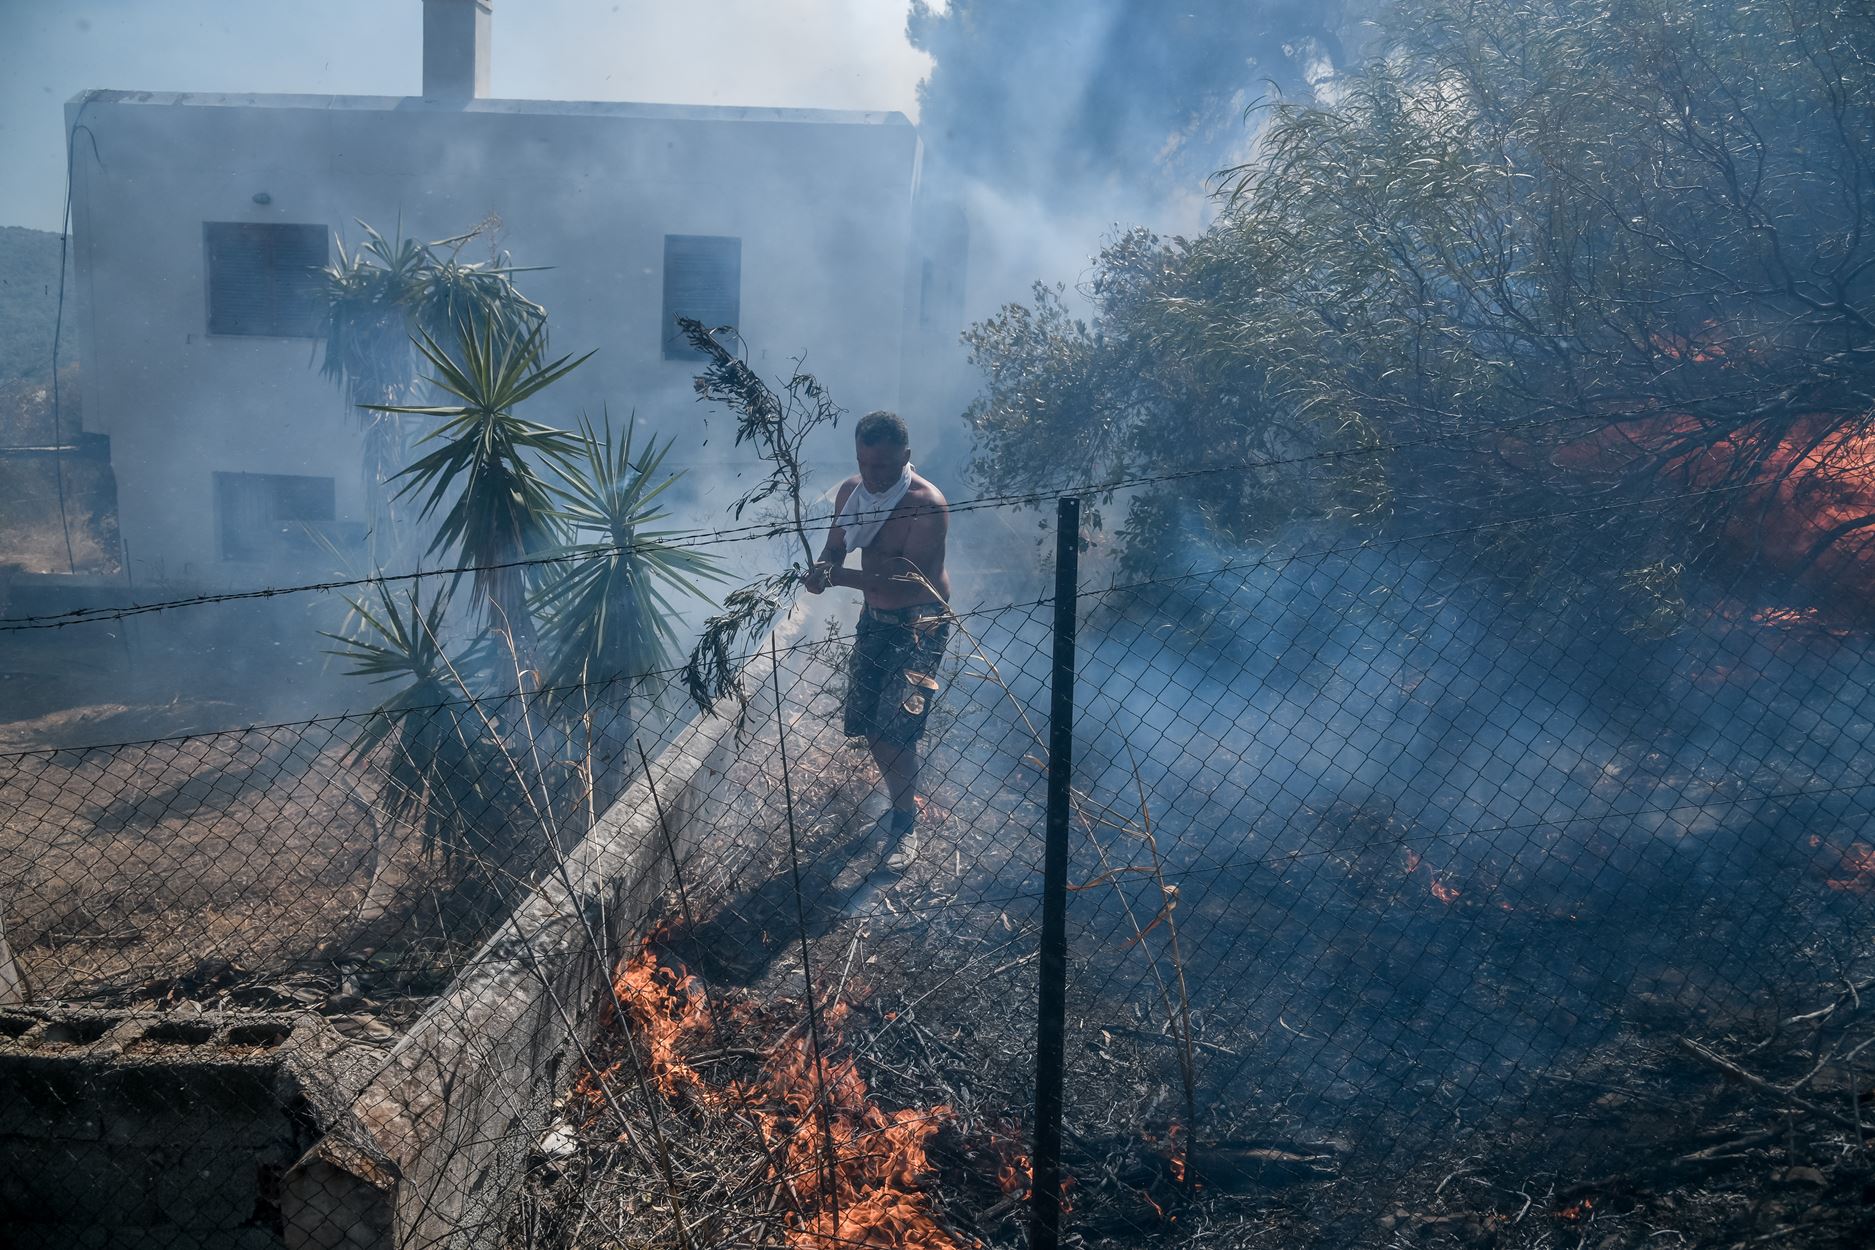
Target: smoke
column 1433, row 837
column 1436, row 834
column 1065, row 100
column 1056, row 122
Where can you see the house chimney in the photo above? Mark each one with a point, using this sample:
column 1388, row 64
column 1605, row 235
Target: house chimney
column 455, row 48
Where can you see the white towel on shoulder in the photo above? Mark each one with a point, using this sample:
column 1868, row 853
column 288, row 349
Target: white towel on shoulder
column 864, row 512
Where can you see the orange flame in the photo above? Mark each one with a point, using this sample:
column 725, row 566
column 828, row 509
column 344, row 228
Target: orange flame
column 1807, row 619
column 666, row 1010
column 1441, row 889
column 1802, row 483
column 874, row 1193
column 1577, row 1212
column 1858, row 862
column 1015, row 1171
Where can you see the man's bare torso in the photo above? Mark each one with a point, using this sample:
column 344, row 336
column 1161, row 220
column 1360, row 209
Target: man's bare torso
column 912, row 539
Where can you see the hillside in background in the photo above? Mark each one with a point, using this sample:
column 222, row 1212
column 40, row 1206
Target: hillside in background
column 33, row 539
column 29, row 291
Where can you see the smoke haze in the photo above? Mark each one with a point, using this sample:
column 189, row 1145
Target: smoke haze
column 824, row 54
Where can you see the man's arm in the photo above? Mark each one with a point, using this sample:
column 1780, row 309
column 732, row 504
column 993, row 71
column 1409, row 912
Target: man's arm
column 833, row 553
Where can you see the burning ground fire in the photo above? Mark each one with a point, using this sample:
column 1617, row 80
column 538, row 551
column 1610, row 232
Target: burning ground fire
column 1440, row 888
column 857, row 1174
column 1856, row 867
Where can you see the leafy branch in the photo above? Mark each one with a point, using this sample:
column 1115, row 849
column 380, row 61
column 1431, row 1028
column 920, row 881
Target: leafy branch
column 777, row 425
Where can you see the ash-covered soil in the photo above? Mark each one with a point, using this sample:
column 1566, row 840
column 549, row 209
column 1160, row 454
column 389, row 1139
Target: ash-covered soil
column 1385, row 1030
column 1645, row 1139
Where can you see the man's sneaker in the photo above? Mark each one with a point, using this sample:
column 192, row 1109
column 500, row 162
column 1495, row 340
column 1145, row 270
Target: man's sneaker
column 902, row 825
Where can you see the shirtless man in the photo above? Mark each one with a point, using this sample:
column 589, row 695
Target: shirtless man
column 898, row 521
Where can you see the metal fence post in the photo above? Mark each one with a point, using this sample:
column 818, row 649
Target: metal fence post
column 1045, row 1211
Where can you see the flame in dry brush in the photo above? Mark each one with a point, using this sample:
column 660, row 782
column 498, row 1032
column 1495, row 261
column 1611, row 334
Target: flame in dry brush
column 877, row 1193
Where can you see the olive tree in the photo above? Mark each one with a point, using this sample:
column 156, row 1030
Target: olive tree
column 1540, row 252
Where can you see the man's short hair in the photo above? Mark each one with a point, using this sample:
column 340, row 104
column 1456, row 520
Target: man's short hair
column 882, row 428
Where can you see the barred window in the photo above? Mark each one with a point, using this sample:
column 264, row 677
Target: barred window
column 263, row 278
column 264, row 515
column 702, row 279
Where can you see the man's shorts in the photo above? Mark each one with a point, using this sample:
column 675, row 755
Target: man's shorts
column 893, row 679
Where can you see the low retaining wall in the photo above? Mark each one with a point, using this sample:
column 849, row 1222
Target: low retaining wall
column 12, row 984
column 436, row 1141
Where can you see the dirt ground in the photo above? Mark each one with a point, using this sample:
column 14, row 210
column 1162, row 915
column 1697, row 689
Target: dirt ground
column 230, row 868
column 34, row 489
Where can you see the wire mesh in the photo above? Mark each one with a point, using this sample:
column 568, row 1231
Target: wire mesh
column 1407, row 902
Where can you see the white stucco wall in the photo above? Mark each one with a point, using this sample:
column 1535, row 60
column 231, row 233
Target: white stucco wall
column 822, row 201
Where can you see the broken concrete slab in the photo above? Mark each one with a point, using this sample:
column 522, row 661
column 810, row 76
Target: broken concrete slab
column 126, row 1127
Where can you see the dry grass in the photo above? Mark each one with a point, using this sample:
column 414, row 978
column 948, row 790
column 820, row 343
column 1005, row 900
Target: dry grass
column 31, row 536
column 135, row 866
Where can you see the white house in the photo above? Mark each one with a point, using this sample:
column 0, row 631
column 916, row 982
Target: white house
column 198, row 217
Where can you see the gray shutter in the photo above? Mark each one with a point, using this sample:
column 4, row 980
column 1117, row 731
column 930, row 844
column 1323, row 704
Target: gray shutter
column 261, row 515
column 702, row 279
column 263, row 278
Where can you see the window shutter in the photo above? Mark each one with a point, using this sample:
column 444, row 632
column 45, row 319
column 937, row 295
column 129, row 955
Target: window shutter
column 263, row 278
column 262, row 515
column 702, row 279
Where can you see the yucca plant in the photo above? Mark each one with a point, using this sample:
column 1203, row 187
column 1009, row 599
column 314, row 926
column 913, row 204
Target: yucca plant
column 606, row 611
column 378, row 298
column 442, row 769
column 486, row 469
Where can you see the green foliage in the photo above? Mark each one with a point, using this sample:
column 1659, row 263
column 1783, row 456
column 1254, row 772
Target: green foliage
column 1153, row 384
column 384, row 296
column 777, row 425
column 442, row 767
column 558, row 528
column 714, row 669
column 500, row 505
column 607, row 607
column 1534, row 227
column 381, row 296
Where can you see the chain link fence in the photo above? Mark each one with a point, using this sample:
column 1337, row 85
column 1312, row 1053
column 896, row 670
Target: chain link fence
column 1406, row 906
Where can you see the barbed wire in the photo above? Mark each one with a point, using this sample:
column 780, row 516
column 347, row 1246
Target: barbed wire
column 1228, row 566
column 756, row 531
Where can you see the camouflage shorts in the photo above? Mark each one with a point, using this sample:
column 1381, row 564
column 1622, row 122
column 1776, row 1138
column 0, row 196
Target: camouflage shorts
column 893, row 680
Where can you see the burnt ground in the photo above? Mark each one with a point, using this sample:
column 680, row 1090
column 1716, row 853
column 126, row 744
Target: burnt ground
column 1402, row 1032
column 1398, row 1037
column 1640, row 1140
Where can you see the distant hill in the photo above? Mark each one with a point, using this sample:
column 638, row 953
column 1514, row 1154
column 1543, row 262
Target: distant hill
column 29, row 292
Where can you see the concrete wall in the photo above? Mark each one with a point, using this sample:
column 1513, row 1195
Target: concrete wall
column 129, row 1130
column 450, row 1118
column 822, row 201
column 12, row 984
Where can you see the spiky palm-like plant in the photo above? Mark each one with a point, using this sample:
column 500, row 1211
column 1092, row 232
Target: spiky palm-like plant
column 442, row 770
column 607, row 610
column 486, row 467
column 378, row 298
